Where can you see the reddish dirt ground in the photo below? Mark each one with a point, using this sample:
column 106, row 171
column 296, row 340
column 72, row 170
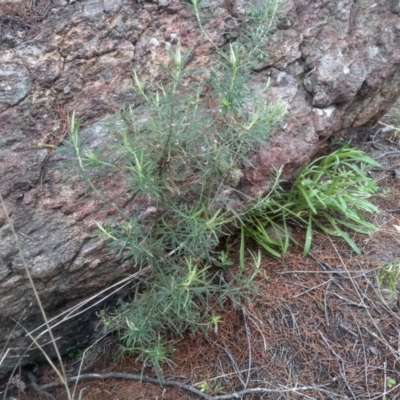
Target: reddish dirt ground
column 318, row 322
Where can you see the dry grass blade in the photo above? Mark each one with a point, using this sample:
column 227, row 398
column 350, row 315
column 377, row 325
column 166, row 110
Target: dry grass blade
column 62, row 374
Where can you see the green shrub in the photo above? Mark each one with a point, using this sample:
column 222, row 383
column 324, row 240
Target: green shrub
column 182, row 151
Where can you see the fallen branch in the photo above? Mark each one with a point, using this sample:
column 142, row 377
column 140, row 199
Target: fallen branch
column 189, row 388
column 38, row 388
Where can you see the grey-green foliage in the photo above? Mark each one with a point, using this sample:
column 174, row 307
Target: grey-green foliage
column 181, row 298
column 181, row 149
column 388, row 276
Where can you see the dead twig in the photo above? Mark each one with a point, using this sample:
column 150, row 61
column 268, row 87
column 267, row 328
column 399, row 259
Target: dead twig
column 253, row 319
column 249, row 347
column 325, row 302
column 37, row 388
column 233, row 362
column 341, row 363
column 324, row 265
column 349, row 302
column 312, row 288
column 189, row 388
column 387, row 154
column 344, row 327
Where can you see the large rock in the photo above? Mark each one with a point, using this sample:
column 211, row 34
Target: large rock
column 334, row 63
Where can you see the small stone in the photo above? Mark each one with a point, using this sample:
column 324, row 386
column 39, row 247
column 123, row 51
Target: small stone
column 154, row 42
column 174, row 38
